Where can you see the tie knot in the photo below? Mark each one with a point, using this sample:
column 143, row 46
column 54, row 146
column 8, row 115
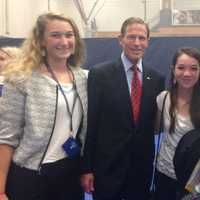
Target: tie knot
column 134, row 68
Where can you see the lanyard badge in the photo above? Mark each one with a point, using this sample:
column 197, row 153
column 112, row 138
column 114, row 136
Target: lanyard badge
column 71, row 147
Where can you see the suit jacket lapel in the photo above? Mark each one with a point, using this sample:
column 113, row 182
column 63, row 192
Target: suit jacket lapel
column 81, row 87
column 123, row 92
column 146, row 85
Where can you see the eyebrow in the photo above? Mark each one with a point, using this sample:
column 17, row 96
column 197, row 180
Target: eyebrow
column 61, row 31
column 183, row 65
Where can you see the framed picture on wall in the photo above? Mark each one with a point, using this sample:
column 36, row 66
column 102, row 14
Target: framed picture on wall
column 185, row 12
column 186, row 17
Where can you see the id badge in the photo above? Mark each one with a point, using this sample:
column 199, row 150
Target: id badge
column 1, row 89
column 71, row 147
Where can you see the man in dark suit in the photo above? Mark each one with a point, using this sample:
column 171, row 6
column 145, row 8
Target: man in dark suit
column 119, row 149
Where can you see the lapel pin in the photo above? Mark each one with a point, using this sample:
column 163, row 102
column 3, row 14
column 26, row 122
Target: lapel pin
column 148, row 78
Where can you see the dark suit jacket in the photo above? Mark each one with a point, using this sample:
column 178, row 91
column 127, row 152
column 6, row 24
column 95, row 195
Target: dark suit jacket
column 117, row 151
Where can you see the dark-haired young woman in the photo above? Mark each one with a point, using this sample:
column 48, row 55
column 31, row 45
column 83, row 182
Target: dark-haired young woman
column 181, row 114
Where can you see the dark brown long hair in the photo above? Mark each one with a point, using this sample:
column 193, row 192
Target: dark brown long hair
column 194, row 109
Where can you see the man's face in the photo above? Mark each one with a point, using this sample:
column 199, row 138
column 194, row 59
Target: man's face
column 134, row 41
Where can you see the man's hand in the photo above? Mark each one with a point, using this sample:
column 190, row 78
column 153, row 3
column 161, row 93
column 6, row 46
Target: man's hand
column 87, row 182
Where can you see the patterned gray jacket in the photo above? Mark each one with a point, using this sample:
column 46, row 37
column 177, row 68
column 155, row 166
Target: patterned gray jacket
column 27, row 116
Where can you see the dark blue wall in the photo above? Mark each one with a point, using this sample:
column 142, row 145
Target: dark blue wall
column 159, row 54
column 4, row 41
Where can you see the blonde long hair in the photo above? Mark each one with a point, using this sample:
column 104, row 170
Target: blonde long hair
column 10, row 53
column 32, row 51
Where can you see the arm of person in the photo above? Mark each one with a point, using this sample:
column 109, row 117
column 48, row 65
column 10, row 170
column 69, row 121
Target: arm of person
column 161, row 88
column 161, row 101
column 11, row 128
column 157, row 121
column 94, row 103
column 6, row 153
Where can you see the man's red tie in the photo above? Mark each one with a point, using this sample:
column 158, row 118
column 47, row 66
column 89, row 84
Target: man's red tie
column 136, row 92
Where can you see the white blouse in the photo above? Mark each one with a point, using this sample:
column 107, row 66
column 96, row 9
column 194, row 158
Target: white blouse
column 61, row 131
column 170, row 141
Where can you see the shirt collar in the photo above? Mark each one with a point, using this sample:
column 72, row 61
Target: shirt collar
column 128, row 64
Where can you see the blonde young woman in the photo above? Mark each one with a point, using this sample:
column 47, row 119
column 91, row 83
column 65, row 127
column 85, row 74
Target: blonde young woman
column 43, row 115
column 181, row 114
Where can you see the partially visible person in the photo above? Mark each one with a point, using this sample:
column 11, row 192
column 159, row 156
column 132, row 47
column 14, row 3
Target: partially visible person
column 181, row 114
column 4, row 55
column 43, row 113
column 7, row 53
column 119, row 148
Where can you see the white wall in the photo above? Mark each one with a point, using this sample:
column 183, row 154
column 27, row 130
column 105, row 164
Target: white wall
column 22, row 13
column 21, row 16
column 187, row 4
column 2, row 14
column 115, row 12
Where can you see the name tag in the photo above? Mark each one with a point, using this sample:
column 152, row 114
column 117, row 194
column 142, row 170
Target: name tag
column 71, row 147
column 1, row 89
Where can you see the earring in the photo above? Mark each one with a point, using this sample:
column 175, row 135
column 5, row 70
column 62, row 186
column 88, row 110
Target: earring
column 43, row 52
column 174, row 81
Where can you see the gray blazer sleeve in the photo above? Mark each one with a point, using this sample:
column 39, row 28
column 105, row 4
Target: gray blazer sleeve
column 12, row 105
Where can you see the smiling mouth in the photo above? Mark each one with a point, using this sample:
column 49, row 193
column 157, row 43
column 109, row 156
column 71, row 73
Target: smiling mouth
column 136, row 50
column 66, row 50
column 187, row 81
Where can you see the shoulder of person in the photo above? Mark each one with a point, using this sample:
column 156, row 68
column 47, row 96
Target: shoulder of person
column 160, row 98
column 104, row 68
column 1, row 79
column 105, row 65
column 16, row 86
column 79, row 73
column 85, row 71
column 18, row 81
column 152, row 70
